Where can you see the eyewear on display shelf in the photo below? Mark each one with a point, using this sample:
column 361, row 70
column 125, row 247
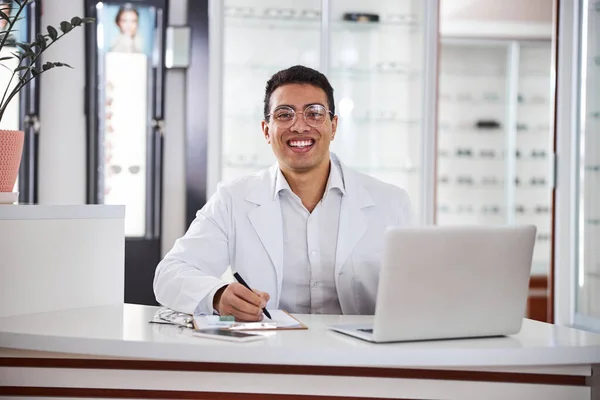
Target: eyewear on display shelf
column 543, row 237
column 280, row 12
column 490, row 209
column 489, row 96
column 542, row 209
column 464, row 180
column 464, row 152
column 490, row 180
column 537, row 181
column 443, row 209
column 522, row 127
column 464, row 209
column 464, row 97
column 538, row 154
column 401, row 18
column 116, row 169
column 387, row 66
column 487, row 153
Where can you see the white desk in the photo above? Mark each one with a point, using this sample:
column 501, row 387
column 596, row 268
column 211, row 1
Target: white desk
column 113, row 351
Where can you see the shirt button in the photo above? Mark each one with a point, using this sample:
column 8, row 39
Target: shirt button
column 313, row 253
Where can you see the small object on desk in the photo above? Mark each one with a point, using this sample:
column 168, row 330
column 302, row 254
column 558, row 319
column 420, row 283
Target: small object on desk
column 280, row 320
column 361, row 17
column 230, row 336
column 241, row 280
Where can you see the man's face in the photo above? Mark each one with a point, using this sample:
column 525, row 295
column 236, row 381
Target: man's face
column 128, row 23
column 299, row 147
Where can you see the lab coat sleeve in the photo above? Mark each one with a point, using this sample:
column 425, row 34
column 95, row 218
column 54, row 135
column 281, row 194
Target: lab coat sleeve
column 189, row 275
column 404, row 209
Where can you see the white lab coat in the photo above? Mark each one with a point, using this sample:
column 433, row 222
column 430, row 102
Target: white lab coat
column 240, row 226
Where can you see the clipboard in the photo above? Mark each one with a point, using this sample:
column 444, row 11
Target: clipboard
column 282, row 321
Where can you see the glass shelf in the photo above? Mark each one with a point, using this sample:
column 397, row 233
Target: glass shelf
column 366, row 170
column 295, row 23
column 339, row 72
column 344, row 122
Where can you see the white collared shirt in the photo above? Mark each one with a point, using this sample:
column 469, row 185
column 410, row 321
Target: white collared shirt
column 309, row 247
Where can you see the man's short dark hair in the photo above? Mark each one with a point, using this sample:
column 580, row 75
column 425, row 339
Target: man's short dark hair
column 302, row 75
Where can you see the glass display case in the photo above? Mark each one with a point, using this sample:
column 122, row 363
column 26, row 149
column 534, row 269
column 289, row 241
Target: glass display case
column 380, row 59
column 125, row 85
column 587, row 276
column 494, row 137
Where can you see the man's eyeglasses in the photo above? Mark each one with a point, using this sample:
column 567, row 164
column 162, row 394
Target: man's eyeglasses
column 314, row 115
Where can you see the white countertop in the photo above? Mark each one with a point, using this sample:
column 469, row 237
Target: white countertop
column 123, row 331
column 86, row 211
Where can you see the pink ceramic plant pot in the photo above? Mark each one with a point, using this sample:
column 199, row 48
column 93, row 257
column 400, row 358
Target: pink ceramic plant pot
column 11, row 149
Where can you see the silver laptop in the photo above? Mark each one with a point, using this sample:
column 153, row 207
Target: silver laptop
column 450, row 282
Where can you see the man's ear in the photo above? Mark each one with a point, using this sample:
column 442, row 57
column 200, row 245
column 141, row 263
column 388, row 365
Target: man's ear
column 334, row 122
column 265, row 129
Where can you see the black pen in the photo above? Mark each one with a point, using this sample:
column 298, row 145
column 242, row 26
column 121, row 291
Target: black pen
column 243, row 282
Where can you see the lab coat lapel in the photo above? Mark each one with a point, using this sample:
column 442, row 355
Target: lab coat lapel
column 353, row 220
column 266, row 221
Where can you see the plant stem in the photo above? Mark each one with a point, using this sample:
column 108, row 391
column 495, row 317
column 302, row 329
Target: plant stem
column 20, row 86
column 8, row 31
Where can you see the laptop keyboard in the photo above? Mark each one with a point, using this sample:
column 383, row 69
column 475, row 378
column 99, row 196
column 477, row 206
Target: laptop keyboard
column 369, row 330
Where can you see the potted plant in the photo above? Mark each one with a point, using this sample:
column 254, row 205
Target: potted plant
column 22, row 60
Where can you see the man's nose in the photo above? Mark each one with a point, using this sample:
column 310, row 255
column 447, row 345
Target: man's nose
column 300, row 124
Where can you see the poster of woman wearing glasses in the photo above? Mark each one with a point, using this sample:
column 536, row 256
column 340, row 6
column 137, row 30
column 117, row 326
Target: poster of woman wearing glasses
column 128, row 28
column 128, row 44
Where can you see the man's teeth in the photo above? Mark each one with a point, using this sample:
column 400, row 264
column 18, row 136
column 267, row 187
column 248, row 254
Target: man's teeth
column 300, row 143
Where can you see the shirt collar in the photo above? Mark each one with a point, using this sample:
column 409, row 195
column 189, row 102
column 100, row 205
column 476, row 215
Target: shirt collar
column 334, row 181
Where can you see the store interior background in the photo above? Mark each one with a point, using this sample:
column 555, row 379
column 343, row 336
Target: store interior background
column 488, row 52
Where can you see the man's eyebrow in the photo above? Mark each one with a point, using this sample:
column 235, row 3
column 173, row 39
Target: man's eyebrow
column 303, row 107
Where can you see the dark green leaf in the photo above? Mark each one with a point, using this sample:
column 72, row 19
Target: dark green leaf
column 6, row 58
column 76, row 21
column 25, row 46
column 18, row 2
column 41, row 40
column 18, row 55
column 89, row 19
column 35, row 71
column 21, row 68
column 52, row 32
column 66, row 27
column 60, row 64
column 4, row 16
column 47, row 66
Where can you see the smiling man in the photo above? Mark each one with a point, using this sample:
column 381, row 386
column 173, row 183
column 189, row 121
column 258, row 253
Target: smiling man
column 306, row 234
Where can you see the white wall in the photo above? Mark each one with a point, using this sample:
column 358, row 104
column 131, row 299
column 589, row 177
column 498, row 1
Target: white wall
column 62, row 150
column 174, row 143
column 62, row 154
